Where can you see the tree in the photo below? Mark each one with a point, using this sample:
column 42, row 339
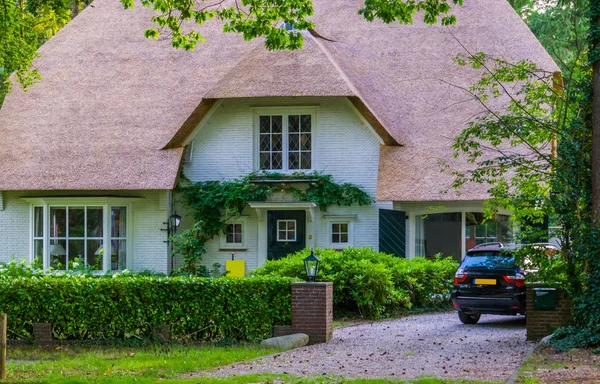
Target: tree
column 24, row 26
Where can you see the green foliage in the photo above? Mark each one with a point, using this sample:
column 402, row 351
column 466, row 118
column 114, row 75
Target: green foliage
column 144, row 363
column 215, row 202
column 372, row 283
column 24, row 26
column 190, row 245
column 403, row 11
column 511, row 150
column 262, row 18
column 122, row 306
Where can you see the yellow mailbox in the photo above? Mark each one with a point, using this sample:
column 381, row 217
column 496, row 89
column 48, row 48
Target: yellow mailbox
column 235, row 268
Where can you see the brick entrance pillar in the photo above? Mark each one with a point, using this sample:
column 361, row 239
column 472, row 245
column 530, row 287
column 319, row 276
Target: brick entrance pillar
column 312, row 310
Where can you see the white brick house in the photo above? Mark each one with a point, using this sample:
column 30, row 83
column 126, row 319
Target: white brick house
column 90, row 156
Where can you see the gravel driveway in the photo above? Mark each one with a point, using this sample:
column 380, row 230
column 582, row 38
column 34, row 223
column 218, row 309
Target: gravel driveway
column 421, row 345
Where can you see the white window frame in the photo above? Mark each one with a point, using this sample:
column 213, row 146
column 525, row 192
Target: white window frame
column 224, row 245
column 106, row 203
column 340, row 220
column 67, row 237
column 285, row 112
column 287, row 239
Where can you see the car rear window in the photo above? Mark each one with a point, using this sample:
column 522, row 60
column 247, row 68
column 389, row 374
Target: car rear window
column 489, row 260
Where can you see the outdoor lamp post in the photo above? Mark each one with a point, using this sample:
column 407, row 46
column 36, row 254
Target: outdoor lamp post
column 311, row 263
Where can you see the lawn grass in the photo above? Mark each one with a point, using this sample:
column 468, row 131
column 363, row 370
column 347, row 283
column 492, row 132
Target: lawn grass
column 121, row 364
column 156, row 364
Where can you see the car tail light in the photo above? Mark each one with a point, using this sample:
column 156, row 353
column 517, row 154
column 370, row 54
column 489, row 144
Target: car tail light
column 460, row 276
column 518, row 280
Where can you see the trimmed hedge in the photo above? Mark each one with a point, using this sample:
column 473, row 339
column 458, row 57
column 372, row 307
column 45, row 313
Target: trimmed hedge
column 373, row 283
column 82, row 308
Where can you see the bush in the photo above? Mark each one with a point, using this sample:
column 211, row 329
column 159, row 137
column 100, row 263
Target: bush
column 373, row 283
column 83, row 307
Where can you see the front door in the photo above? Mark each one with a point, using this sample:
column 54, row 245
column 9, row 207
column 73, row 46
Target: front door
column 286, row 233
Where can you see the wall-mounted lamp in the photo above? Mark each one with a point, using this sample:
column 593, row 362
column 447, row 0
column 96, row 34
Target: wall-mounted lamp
column 172, row 225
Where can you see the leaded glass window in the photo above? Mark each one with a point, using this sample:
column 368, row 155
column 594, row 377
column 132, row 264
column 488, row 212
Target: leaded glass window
column 271, row 142
column 300, row 141
column 285, row 142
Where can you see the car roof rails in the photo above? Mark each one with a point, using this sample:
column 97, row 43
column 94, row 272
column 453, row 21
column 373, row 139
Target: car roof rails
column 500, row 245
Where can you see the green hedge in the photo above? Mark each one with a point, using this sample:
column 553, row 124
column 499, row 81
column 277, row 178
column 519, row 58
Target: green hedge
column 373, row 283
column 82, row 308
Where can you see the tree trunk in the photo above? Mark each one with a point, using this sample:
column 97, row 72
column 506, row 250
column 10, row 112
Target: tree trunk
column 596, row 135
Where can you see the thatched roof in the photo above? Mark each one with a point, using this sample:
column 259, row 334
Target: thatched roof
column 114, row 107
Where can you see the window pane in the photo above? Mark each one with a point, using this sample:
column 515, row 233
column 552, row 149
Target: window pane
column 306, row 162
column 265, row 143
column 237, row 228
column 38, row 222
column 294, row 141
column 291, row 235
column 38, row 253
column 281, row 224
column 277, row 143
column 95, row 222
column 491, row 229
column 118, row 258
column 58, row 254
column 344, row 238
column 305, row 123
column 265, row 124
column 335, row 238
column 277, row 124
column 291, row 225
column 76, row 252
column 282, row 235
column 76, row 222
column 95, row 253
column 58, row 222
column 294, row 123
column 237, row 238
column 276, row 161
column 118, row 222
column 306, row 142
column 344, row 228
column 335, row 228
column 265, row 161
column 294, row 162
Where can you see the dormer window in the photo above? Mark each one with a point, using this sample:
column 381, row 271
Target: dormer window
column 285, row 142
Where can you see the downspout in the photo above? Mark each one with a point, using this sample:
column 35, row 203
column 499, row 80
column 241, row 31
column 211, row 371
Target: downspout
column 170, row 211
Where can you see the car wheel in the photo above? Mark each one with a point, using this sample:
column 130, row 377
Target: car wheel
column 465, row 318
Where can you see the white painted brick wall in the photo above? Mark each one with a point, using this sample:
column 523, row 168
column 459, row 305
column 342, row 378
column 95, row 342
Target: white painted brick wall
column 14, row 228
column 149, row 249
column 344, row 147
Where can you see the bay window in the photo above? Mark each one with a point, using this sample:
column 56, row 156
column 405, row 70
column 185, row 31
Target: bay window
column 80, row 231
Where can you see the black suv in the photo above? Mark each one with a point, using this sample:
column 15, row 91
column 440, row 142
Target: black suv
column 489, row 282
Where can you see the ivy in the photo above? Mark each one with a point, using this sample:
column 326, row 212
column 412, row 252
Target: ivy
column 215, row 202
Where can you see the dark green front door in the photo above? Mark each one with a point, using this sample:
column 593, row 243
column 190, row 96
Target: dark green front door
column 286, row 233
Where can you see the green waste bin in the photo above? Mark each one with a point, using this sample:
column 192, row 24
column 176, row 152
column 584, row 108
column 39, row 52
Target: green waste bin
column 544, row 298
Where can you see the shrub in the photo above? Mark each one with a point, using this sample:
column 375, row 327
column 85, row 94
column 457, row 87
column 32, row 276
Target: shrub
column 82, row 307
column 373, row 283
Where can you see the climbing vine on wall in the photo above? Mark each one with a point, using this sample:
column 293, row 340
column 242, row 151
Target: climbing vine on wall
column 215, row 202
